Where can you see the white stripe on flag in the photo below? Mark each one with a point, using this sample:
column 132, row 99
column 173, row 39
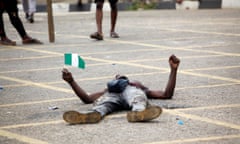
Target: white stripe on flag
column 75, row 60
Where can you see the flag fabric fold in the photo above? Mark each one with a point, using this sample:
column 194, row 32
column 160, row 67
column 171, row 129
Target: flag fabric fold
column 73, row 59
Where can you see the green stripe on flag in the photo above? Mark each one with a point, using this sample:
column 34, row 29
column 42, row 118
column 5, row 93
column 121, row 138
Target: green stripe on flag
column 68, row 59
column 81, row 63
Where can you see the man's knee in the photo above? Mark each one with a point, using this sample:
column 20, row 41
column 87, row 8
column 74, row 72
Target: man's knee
column 139, row 103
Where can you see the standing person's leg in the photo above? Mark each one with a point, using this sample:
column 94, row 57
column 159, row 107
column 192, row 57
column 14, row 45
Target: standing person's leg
column 12, row 11
column 11, row 7
column 2, row 31
column 4, row 39
column 32, row 6
column 17, row 23
column 32, row 10
column 99, row 16
column 137, row 100
column 114, row 14
column 25, row 5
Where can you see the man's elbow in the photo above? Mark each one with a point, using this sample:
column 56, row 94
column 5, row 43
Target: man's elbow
column 168, row 96
column 87, row 101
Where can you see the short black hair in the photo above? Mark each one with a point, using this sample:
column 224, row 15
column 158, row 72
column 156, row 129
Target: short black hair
column 121, row 77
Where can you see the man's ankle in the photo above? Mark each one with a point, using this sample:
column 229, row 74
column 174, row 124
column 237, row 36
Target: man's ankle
column 26, row 37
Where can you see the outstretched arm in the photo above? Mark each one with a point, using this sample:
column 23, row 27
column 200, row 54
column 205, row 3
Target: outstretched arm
column 67, row 76
column 169, row 90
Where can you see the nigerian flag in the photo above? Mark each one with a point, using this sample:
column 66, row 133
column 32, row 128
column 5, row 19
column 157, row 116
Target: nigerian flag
column 74, row 60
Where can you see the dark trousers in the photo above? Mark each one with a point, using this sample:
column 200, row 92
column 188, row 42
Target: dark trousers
column 10, row 6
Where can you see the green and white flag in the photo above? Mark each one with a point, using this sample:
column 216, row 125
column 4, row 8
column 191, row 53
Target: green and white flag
column 74, row 60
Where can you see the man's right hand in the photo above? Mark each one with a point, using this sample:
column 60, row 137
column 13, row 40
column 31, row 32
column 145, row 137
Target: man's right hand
column 67, row 76
column 174, row 62
column 138, row 84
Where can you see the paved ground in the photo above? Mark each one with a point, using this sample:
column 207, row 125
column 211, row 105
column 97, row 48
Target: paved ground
column 207, row 92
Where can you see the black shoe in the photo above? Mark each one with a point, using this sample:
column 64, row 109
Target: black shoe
column 74, row 117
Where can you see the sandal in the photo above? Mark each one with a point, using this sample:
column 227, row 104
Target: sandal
column 31, row 41
column 7, row 41
column 96, row 36
column 114, row 35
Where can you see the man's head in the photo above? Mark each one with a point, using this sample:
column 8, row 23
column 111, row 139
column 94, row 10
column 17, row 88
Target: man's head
column 118, row 76
column 118, row 84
